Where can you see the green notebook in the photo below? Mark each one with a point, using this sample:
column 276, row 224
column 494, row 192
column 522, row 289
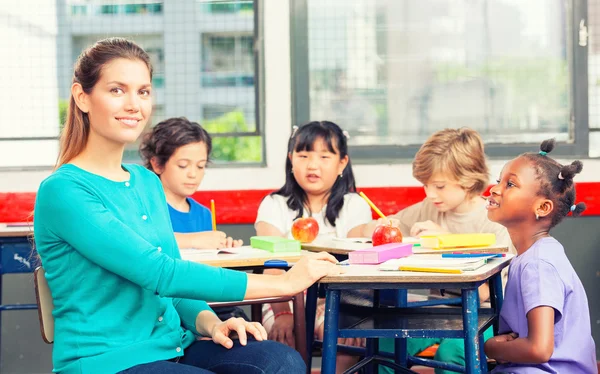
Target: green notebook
column 275, row 244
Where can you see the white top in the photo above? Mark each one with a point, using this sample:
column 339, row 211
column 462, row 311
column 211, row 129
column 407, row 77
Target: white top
column 354, row 212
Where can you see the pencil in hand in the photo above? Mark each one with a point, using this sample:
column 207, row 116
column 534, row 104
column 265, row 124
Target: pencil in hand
column 213, row 215
column 362, row 194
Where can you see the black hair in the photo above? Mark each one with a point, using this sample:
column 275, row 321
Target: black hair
column 303, row 140
column 167, row 136
column 556, row 182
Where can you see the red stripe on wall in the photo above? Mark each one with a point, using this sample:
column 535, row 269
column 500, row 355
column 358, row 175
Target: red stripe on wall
column 240, row 207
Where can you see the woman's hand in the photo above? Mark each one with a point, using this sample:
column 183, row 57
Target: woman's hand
column 223, row 331
column 310, row 269
column 426, row 228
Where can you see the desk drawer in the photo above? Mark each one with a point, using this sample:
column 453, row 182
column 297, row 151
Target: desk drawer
column 17, row 257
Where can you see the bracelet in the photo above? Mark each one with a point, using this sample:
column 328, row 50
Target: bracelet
column 283, row 313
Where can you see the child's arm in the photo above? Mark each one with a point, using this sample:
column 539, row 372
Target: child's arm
column 406, row 217
column 205, row 240
column 266, row 229
column 536, row 348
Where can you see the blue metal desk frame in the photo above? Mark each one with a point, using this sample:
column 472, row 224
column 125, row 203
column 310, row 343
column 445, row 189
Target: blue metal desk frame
column 15, row 257
column 472, row 330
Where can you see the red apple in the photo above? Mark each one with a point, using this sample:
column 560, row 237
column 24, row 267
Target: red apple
column 385, row 234
column 305, row 229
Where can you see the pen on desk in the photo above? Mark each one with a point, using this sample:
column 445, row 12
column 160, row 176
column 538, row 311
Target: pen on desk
column 213, row 214
column 430, row 270
column 471, row 255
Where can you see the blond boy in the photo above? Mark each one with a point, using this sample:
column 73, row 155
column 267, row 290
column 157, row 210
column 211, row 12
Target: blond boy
column 452, row 166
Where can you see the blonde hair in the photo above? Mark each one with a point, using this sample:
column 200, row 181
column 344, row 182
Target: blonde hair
column 87, row 70
column 455, row 153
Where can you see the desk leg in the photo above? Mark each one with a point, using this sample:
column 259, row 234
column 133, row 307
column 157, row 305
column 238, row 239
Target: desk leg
column 400, row 344
column 311, row 311
column 1, row 313
column 332, row 314
column 470, row 310
column 482, row 355
column 300, row 326
column 496, row 298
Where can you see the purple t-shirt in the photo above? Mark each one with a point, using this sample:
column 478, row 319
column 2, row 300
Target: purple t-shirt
column 543, row 276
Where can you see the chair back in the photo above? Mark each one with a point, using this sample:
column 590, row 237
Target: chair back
column 45, row 305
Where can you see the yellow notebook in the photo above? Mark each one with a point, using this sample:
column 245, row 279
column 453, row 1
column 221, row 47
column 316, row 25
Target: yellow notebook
column 457, row 240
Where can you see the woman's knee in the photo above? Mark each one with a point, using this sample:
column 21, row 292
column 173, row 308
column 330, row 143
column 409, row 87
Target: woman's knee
column 270, row 357
column 285, row 359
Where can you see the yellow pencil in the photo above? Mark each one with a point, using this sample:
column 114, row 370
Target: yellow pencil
column 214, row 217
column 362, row 194
column 430, row 270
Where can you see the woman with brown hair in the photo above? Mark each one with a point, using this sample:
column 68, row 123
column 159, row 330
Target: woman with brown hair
column 124, row 300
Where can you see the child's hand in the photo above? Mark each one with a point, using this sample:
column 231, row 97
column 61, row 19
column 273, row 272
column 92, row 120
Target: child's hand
column 283, row 330
column 505, row 337
column 388, row 222
column 491, row 345
column 237, row 326
column 210, row 239
column 214, row 239
column 426, row 228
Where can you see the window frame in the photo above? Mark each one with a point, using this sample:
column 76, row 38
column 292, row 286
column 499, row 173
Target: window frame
column 367, row 154
column 259, row 116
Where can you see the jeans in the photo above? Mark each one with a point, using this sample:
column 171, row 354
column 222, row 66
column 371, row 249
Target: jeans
column 205, row 357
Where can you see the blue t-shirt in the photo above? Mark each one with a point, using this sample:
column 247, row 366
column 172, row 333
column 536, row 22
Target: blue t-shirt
column 198, row 219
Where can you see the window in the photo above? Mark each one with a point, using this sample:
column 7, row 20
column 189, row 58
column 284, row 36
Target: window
column 393, row 72
column 187, row 46
column 228, row 80
column 228, row 61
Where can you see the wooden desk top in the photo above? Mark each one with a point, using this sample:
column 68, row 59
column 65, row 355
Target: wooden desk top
column 372, row 274
column 15, row 231
column 343, row 248
column 253, row 257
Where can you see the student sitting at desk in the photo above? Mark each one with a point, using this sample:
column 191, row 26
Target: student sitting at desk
column 178, row 150
column 124, row 301
column 451, row 165
column 545, row 320
column 318, row 182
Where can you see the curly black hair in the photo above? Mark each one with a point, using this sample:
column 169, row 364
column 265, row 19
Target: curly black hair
column 556, row 182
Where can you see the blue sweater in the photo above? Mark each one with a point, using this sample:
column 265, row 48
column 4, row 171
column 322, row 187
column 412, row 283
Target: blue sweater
column 198, row 219
column 122, row 295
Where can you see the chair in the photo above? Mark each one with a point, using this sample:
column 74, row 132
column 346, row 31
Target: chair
column 46, row 306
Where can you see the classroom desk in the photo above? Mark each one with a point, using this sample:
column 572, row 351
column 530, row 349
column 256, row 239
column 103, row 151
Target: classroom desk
column 342, row 248
column 252, row 260
column 401, row 322
column 15, row 257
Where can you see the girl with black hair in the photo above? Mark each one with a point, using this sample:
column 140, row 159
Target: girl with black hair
column 545, row 319
column 318, row 182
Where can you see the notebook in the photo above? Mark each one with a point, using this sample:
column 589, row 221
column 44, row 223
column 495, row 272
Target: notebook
column 215, row 251
column 434, row 264
column 275, row 244
column 457, row 240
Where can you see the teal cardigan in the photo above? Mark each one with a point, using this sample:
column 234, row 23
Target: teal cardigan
column 122, row 294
